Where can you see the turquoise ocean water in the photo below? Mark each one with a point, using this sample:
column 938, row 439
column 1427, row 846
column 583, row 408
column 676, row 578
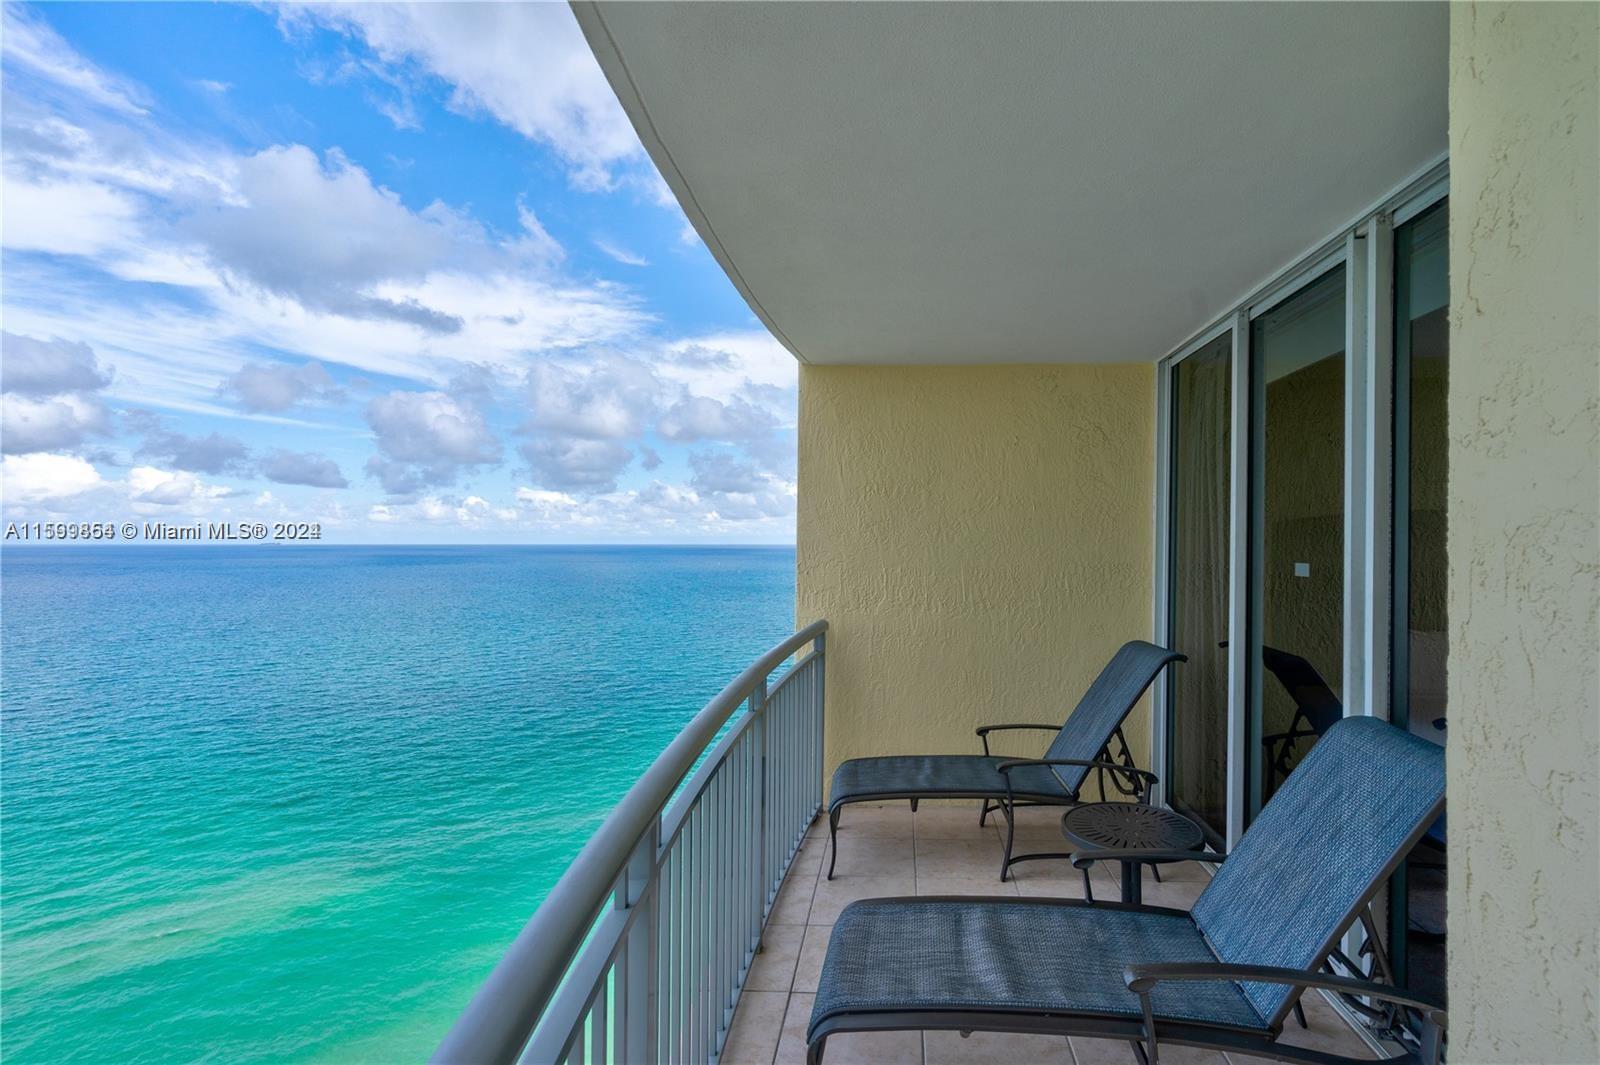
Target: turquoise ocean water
column 292, row 803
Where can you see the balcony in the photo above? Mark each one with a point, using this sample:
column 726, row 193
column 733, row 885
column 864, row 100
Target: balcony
column 693, row 925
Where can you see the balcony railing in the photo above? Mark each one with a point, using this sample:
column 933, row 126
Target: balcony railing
column 639, row 952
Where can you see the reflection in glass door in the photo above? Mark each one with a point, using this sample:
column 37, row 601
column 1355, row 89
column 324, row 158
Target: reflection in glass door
column 1420, row 649
column 1296, row 629
column 1197, row 710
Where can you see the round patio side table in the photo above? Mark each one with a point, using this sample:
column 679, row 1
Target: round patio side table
column 1125, row 826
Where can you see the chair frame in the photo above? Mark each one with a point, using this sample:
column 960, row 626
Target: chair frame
column 1124, row 776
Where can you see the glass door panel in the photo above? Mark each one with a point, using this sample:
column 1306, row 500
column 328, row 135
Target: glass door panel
column 1420, row 652
column 1297, row 502
column 1197, row 708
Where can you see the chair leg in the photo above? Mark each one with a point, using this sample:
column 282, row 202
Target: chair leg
column 1011, row 832
column 913, row 805
column 814, row 1052
column 1088, row 888
column 983, row 812
column 1300, row 1014
column 1155, row 871
column 833, row 845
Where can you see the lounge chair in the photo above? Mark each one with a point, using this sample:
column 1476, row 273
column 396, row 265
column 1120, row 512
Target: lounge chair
column 1082, row 744
column 1223, row 975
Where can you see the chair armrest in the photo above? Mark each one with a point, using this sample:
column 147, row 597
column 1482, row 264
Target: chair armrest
column 1080, row 859
column 984, row 730
column 1141, row 979
column 1139, row 776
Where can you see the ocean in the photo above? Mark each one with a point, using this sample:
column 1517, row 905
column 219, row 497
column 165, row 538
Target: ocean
column 291, row 803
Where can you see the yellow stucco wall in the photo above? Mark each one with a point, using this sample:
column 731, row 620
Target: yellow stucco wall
column 1524, row 723
column 979, row 539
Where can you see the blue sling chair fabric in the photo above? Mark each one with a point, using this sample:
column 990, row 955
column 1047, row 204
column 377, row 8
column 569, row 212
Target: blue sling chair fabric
column 1083, row 736
column 1297, row 880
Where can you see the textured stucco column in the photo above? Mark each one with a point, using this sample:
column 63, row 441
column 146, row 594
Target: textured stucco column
column 1524, row 806
column 979, row 538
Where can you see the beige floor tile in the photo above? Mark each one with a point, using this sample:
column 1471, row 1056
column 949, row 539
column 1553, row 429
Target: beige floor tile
column 1037, row 824
column 873, row 856
column 995, row 1048
column 1181, row 1055
column 966, row 885
column 1186, row 871
column 1327, row 1030
column 809, row 857
column 952, row 820
column 870, row 1048
column 1102, row 1052
column 812, row 951
column 1061, row 880
column 753, row 1037
column 773, row 968
column 959, row 858
column 834, row 895
column 876, row 820
column 793, row 904
column 875, row 1048
column 792, row 1044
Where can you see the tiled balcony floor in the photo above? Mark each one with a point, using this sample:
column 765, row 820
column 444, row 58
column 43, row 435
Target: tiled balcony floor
column 940, row 850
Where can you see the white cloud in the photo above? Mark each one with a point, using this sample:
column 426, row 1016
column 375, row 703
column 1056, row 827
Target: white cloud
column 470, row 512
column 535, row 243
column 284, row 249
column 167, row 488
column 620, row 254
column 30, row 366
column 540, row 498
column 45, row 478
column 278, row 386
column 302, row 467
column 213, row 453
column 321, row 232
column 71, row 217
column 26, row 42
column 64, row 421
column 50, row 400
column 427, row 438
column 727, row 365
column 527, row 65
column 576, row 465
column 703, row 418
column 609, row 398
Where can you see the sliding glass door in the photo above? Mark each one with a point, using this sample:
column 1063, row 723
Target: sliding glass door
column 1295, row 659
column 1197, row 708
column 1420, row 651
column 1301, row 523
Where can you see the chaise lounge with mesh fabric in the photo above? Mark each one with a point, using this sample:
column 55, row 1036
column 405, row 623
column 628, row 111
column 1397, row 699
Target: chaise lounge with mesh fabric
column 1082, row 745
column 1223, row 975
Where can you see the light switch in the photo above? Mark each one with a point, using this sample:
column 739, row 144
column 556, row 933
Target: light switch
column 1302, row 569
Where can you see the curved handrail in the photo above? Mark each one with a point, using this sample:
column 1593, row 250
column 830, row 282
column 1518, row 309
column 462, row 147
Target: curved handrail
column 498, row 1021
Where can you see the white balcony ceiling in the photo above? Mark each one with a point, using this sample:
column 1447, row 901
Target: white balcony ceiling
column 1089, row 182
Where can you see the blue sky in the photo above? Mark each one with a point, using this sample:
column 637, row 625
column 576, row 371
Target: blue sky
column 401, row 270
